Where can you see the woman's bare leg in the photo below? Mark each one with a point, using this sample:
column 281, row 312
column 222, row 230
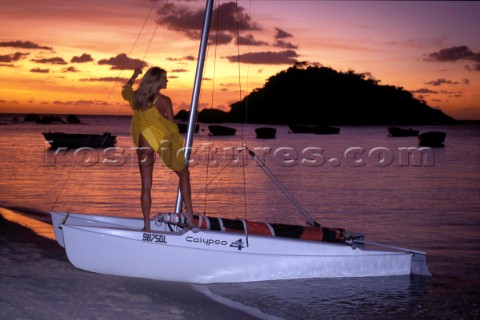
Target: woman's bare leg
column 186, row 192
column 146, row 159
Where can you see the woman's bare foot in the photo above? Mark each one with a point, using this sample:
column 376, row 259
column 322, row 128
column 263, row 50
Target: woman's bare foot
column 190, row 220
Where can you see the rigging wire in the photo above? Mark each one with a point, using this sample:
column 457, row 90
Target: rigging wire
column 241, row 125
column 212, row 100
column 280, row 186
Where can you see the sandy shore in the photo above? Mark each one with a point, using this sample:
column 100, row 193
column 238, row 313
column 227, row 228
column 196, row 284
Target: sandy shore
column 38, row 282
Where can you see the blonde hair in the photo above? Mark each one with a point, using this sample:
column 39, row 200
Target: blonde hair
column 144, row 96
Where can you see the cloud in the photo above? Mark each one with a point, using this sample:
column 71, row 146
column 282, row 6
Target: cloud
column 466, row 81
column 229, row 21
column 285, row 45
column 24, row 45
column 475, row 67
column 13, row 57
column 220, row 38
column 179, row 70
column 186, row 58
column 232, row 18
column 249, row 40
column 453, row 54
column 105, row 79
column 70, row 69
column 268, row 57
column 83, row 58
column 441, row 81
column 280, row 34
column 227, row 18
column 81, row 102
column 56, row 60
column 423, row 90
column 39, row 70
column 450, row 92
column 122, row 62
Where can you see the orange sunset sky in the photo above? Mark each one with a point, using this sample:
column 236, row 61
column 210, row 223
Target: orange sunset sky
column 72, row 56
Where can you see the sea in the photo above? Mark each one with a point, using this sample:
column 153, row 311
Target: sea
column 390, row 189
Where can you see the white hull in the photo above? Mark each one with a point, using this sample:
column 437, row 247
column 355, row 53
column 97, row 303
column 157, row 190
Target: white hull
column 101, row 244
column 80, row 219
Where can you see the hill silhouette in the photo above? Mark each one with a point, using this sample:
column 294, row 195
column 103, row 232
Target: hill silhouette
column 319, row 95
column 309, row 94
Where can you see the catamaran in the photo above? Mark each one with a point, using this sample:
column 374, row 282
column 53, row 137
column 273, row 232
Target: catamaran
column 220, row 249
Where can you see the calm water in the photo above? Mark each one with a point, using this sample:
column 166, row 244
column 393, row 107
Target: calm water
column 361, row 180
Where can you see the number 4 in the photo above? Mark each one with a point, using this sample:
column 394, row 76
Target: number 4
column 238, row 244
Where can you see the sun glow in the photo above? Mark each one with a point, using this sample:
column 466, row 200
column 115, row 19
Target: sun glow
column 46, row 69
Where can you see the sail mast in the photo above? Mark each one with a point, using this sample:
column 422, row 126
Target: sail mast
column 196, row 91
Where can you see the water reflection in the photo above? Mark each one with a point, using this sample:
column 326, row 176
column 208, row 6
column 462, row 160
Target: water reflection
column 39, row 223
column 360, row 298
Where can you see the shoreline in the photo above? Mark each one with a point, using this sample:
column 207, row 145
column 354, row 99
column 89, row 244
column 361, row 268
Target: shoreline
column 38, row 282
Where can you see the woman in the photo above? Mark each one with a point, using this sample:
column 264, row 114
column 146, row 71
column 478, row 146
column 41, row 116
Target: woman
column 154, row 131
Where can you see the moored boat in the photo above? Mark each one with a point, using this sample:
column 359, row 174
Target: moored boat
column 401, row 132
column 432, row 139
column 218, row 130
column 317, row 129
column 182, row 127
column 79, row 140
column 265, row 133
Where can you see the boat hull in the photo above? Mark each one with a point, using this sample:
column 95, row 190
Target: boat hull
column 215, row 257
column 113, row 245
column 400, row 132
column 217, row 130
column 71, row 140
column 79, row 219
column 265, row 133
column 183, row 127
column 432, row 139
column 318, row 129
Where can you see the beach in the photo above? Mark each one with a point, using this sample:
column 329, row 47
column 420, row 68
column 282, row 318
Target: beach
column 38, row 282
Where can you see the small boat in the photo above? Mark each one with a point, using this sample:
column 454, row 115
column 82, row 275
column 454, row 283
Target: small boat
column 400, row 132
column 79, row 140
column 183, row 127
column 49, row 120
column 73, row 119
column 265, row 133
column 318, row 129
column 432, row 139
column 217, row 130
column 224, row 250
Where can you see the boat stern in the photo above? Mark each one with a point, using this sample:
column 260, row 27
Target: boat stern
column 419, row 264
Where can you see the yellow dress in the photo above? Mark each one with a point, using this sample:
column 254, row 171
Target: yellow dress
column 161, row 134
